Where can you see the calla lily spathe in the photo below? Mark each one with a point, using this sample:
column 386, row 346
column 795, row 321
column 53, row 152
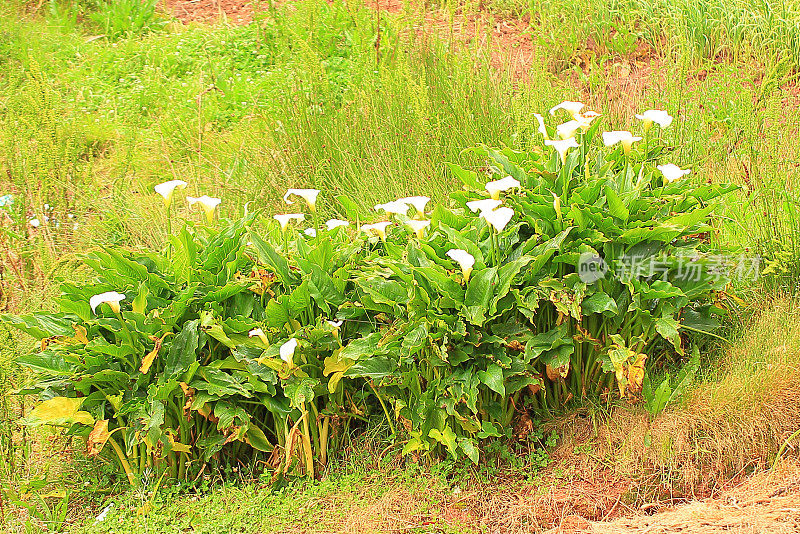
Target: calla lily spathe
column 167, row 189
column 620, row 136
column 209, row 204
column 335, row 324
column 418, row 227
column 658, row 116
column 285, row 218
column 486, row 204
column 581, row 122
column 378, row 229
column 419, row 203
column 310, row 232
column 112, row 298
column 562, row 147
column 309, row 195
column 495, row 187
column 542, row 129
column 395, row 206
column 573, row 108
column 498, row 218
column 672, row 172
column 568, row 129
column 287, row 351
column 260, row 334
column 464, row 259
column 335, row 223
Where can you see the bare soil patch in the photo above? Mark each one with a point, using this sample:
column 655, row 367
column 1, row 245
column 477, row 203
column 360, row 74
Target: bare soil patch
column 232, row 11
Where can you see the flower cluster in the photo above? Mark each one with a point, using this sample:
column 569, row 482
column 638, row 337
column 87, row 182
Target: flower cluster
column 581, row 121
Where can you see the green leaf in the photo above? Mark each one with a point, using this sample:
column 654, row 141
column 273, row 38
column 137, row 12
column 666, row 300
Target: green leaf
column 616, row 206
column 467, row 177
column 480, row 289
column 667, row 327
column 447, row 438
column 470, row 449
column 40, row 325
column 219, row 383
column 685, row 376
column 256, row 438
column 377, row 367
column 489, row 430
column 599, row 302
column 270, row 257
column 182, row 350
column 299, row 390
column 493, row 378
column 361, row 348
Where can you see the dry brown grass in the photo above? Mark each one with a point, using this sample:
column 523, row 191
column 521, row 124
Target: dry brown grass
column 768, row 503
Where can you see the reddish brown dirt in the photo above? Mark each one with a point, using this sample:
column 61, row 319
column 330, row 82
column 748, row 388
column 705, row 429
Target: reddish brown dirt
column 232, row 11
column 510, row 46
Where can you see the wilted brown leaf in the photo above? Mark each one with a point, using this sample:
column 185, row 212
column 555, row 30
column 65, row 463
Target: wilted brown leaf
column 98, row 437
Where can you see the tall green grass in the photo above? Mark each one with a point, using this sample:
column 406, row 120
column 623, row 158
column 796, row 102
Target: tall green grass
column 706, row 30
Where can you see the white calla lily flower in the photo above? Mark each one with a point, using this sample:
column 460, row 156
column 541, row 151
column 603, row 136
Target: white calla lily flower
column 672, row 172
column 464, row 259
column 112, row 298
column 103, row 514
column 658, row 116
column 542, row 129
column 395, row 206
column 167, row 189
column 309, row 195
column 419, row 203
column 336, row 223
column 498, row 218
column 377, row 229
column 418, row 227
column 310, row 232
column 562, row 147
column 486, row 204
column 568, row 129
column 585, row 120
column 573, row 108
column 285, row 218
column 260, row 333
column 620, row 136
column 209, row 204
column 495, row 187
column 335, row 324
column 287, row 351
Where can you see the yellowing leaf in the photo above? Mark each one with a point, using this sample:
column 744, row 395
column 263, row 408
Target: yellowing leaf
column 334, row 381
column 148, row 360
column 177, row 445
column 554, row 372
column 335, row 365
column 636, row 374
column 98, row 437
column 80, row 334
column 59, row 410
